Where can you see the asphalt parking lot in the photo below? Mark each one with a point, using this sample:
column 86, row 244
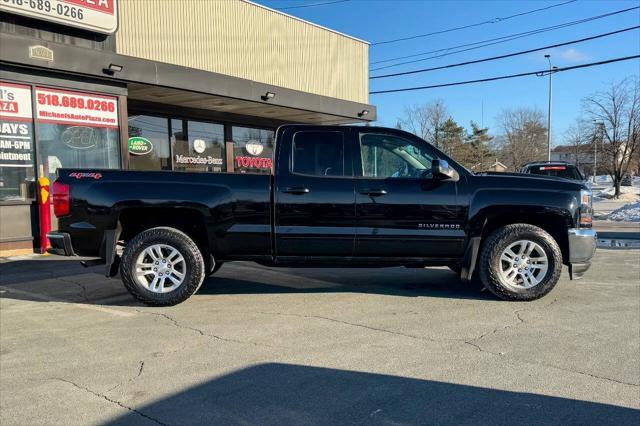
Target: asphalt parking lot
column 322, row 346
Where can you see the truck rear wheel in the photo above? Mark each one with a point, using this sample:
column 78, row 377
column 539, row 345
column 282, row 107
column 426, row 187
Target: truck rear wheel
column 520, row 262
column 162, row 267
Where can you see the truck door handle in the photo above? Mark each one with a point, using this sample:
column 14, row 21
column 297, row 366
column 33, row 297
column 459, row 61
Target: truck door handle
column 297, row 190
column 373, row 192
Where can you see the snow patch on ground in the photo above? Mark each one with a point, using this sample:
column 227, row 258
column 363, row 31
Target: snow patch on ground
column 627, row 213
column 627, row 193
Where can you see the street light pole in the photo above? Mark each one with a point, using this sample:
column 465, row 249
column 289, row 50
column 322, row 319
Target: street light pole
column 597, row 133
column 549, row 112
column 594, row 140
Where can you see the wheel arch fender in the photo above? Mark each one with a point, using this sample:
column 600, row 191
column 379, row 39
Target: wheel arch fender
column 553, row 214
column 132, row 218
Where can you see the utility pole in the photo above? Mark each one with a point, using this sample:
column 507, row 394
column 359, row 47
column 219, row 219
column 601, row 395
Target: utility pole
column 551, row 70
column 597, row 133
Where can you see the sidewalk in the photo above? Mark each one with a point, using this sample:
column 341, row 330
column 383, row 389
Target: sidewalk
column 617, row 230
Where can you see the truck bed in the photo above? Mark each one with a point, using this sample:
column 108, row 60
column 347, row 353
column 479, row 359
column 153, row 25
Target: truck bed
column 237, row 206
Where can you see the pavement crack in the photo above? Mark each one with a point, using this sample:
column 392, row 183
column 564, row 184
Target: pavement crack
column 177, row 324
column 382, row 330
column 555, row 367
column 111, row 400
column 520, row 320
column 83, row 289
column 140, row 369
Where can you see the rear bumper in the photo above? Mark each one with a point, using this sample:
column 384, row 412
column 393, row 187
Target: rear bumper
column 582, row 247
column 60, row 244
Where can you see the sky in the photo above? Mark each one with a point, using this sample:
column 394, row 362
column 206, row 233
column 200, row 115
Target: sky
column 380, row 20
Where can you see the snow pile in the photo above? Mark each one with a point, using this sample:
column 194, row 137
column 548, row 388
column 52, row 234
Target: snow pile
column 627, row 213
column 627, row 193
column 600, row 179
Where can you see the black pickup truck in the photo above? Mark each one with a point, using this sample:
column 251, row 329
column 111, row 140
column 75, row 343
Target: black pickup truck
column 337, row 196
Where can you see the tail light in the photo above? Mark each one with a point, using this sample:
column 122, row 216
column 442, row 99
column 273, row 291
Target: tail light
column 586, row 209
column 61, row 202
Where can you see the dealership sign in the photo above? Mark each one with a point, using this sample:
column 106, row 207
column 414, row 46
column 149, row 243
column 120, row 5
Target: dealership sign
column 16, row 126
column 254, row 147
column 100, row 16
column 140, row 146
column 75, row 108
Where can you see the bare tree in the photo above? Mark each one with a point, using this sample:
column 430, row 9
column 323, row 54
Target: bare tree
column 578, row 139
column 426, row 121
column 618, row 110
column 523, row 136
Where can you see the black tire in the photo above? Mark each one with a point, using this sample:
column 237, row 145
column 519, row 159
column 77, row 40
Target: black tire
column 490, row 263
column 194, row 266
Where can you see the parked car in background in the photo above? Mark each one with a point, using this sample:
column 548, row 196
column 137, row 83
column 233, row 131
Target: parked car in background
column 560, row 169
column 627, row 180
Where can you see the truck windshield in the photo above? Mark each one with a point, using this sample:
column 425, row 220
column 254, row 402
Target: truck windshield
column 562, row 171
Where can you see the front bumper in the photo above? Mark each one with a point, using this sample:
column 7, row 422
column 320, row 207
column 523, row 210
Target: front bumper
column 582, row 247
column 60, row 244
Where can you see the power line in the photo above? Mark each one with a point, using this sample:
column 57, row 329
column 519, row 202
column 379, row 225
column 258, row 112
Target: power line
column 312, row 5
column 492, row 41
column 504, row 77
column 491, row 21
column 508, row 55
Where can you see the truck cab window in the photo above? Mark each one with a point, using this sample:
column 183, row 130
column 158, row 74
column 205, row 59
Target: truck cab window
column 318, row 153
column 386, row 156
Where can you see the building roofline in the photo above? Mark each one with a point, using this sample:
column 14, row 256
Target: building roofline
column 83, row 61
column 305, row 21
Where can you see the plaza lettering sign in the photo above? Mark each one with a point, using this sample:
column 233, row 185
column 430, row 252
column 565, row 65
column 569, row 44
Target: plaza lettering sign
column 100, row 16
column 16, row 126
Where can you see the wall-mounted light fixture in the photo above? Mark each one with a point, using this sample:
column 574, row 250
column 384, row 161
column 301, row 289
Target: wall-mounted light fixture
column 363, row 113
column 267, row 96
column 112, row 69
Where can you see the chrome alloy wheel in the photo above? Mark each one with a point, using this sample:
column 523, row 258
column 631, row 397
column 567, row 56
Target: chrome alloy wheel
column 160, row 268
column 523, row 264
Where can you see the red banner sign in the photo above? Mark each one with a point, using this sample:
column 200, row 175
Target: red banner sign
column 99, row 16
column 68, row 107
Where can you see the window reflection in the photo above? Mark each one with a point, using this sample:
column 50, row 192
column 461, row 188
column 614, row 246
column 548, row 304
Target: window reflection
column 253, row 149
column 202, row 150
column 155, row 130
column 82, row 147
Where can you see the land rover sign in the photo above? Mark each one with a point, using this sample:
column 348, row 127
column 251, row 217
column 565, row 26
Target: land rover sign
column 140, row 146
column 100, row 16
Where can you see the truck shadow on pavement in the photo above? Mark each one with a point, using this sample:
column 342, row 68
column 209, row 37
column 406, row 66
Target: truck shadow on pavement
column 274, row 394
column 55, row 279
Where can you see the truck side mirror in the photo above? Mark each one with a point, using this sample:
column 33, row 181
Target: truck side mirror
column 440, row 170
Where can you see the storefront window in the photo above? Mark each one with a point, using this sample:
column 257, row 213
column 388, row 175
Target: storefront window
column 149, row 143
column 16, row 143
column 76, row 130
column 253, row 149
column 203, row 148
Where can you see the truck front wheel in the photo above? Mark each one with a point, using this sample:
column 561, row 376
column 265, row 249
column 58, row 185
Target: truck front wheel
column 520, row 262
column 162, row 267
